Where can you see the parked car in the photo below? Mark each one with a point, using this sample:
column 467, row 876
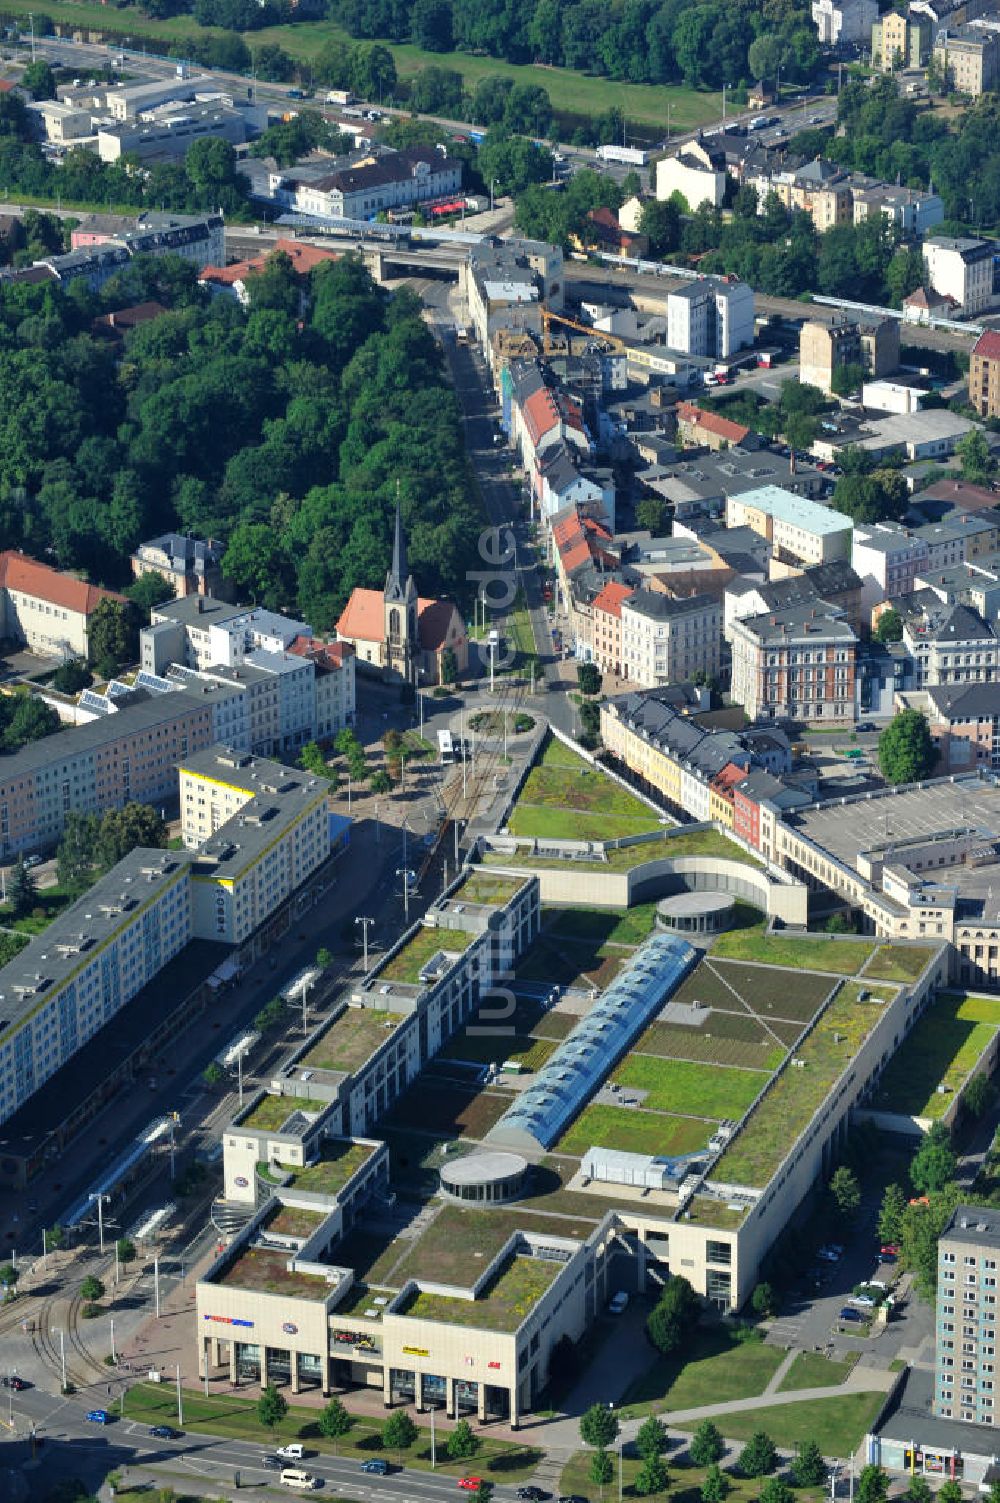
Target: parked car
column 831, row 1253
column 848, row 1314
column 532, row 1494
column 165, row 1432
column 863, row 1301
column 273, row 1463
column 865, row 726
column 376, row 1465
column 618, row 1303
column 98, row 1417
column 889, row 1249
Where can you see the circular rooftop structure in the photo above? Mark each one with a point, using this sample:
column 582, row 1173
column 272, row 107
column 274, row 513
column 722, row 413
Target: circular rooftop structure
column 696, row 912
column 489, row 1177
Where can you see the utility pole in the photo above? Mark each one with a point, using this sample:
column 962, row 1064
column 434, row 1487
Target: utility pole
column 401, row 871
column 31, row 22
column 239, row 1074
column 365, row 924
column 114, row 1357
column 180, row 1404
column 100, row 1217
column 156, row 1284
column 62, row 1356
column 433, row 1445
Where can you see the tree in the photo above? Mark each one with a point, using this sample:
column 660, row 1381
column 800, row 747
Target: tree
column 891, row 1213
column 776, row 1490
column 950, row 1492
column 651, row 1477
column 399, row 1432
column 334, row 1422
column 651, row 513
column 974, row 455
column 588, row 677
column 906, row 750
column 149, row 591
column 462, row 1443
column 112, row 634
column 126, row 1250
column 380, row 782
column 74, row 675
column 213, row 1074
column 449, row 666
column 660, row 220
column 873, row 1485
column 8, row 1277
column 707, row 1444
column 272, row 1407
column 651, row 1438
column 599, row 1427
column 91, row 1288
column 21, row 889
column 809, row 1465
column 590, row 721
column 715, row 1486
column 674, row 1315
column 979, row 1096
column 933, row 1165
column 759, row 1456
column 122, row 830
column 39, row 80
column 888, row 627
column 918, row 1491
column 256, row 562
column 602, row 1470
column 846, row 1191
column 324, row 958
column 55, row 1237
column 762, row 1300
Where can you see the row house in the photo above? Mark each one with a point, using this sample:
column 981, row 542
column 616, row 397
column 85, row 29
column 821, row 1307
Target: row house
column 950, row 644
column 799, row 662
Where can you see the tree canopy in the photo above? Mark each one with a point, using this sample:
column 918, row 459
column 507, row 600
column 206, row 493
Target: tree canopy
column 906, row 749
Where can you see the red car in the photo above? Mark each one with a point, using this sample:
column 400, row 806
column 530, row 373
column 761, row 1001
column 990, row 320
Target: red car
column 470, row 1484
column 890, row 1250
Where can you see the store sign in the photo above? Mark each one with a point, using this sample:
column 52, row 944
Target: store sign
column 416, row 1351
column 290, row 1329
column 228, row 1320
column 242, row 1181
column 355, row 1338
column 495, row 1366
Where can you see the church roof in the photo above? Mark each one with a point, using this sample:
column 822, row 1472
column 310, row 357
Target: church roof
column 363, row 619
column 398, row 584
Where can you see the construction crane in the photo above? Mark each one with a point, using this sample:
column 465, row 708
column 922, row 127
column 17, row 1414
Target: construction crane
column 549, row 318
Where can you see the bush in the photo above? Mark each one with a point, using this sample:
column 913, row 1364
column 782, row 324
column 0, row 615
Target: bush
column 91, row 1311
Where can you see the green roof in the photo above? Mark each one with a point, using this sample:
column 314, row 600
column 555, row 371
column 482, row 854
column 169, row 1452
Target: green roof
column 264, row 1271
column 408, row 962
column 350, row 1040
column 623, row 858
column 341, row 1160
column 505, row 1304
column 271, row 1113
column 481, row 886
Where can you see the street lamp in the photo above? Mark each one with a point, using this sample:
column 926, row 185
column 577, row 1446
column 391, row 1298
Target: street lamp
column 402, row 871
column 365, row 925
column 493, row 183
column 62, row 1355
column 100, row 1217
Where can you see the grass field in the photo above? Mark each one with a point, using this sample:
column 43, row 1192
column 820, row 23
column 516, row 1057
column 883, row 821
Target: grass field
column 606, row 925
column 813, row 1370
column 564, row 798
column 712, row 1369
column 899, row 962
column 237, row 1418
column 494, row 1048
column 836, row 1424
column 676, row 1085
column 943, row 1048
column 842, row 956
column 634, row 1131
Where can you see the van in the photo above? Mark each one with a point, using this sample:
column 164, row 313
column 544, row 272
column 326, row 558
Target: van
column 293, row 1476
column 293, row 1451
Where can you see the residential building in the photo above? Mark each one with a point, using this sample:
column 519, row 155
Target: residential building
column 968, row 58
column 698, row 427
column 174, row 132
column 46, row 609
column 888, row 558
column 507, row 285
column 911, row 212
column 204, row 632
column 961, row 268
column 191, row 566
column 819, row 189
column 951, row 644
column 697, row 171
column 921, row 306
column 607, row 616
column 968, row 1252
column 712, row 317
column 825, row 348
column 834, row 584
column 199, row 238
column 794, row 526
column 965, row 723
column 399, row 634
column 984, row 374
column 665, row 640
column 799, row 663
column 901, row 40
column 840, row 21
column 235, row 280
column 333, row 684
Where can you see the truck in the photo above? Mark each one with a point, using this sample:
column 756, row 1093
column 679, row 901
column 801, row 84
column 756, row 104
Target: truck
column 633, row 155
column 339, row 96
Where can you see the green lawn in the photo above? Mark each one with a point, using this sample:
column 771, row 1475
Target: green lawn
column 942, row 1048
column 808, row 953
column 684, row 1487
column 670, row 845
column 813, row 1370
column 237, row 1418
column 836, row 1424
column 47, row 903
column 677, row 1085
column 713, row 1368
column 565, row 798
column 899, row 962
column 609, row 926
column 634, row 1131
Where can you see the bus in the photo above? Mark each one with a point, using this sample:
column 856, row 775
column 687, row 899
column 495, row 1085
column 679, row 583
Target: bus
column 446, row 747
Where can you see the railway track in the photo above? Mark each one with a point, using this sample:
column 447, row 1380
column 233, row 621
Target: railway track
column 60, row 1313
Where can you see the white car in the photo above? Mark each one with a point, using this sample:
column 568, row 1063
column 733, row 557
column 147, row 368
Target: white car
column 294, row 1451
column 618, row 1303
column 863, row 1301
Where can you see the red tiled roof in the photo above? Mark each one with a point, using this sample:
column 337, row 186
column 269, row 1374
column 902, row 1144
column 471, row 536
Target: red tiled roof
column 988, row 345
column 18, row 572
column 578, row 540
column 302, row 257
column 711, row 422
column 541, row 414
column 610, row 599
column 124, row 319
column 363, row 619
column 326, row 655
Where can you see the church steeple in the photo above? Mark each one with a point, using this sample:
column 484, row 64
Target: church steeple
column 398, row 583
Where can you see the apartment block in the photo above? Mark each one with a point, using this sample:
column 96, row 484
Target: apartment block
column 698, row 173
column 984, row 375
column 798, row 662
column 968, row 58
column 666, row 640
column 797, row 528
column 966, row 1317
column 712, row 317
column 190, row 566
column 825, row 348
column 607, row 629
column 961, row 268
column 204, row 632
column 951, row 644
column 839, row 21
column 901, row 40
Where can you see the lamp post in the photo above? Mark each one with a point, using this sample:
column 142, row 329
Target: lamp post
column 100, row 1218
column 365, row 924
column 114, row 1356
column 62, row 1356
column 493, row 183
column 401, row 871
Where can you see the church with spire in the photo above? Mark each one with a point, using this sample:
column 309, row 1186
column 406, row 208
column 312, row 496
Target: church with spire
column 398, row 634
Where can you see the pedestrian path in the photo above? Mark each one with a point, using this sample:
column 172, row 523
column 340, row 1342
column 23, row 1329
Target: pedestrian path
column 779, row 1373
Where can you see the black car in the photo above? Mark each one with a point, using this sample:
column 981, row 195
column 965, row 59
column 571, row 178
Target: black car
column 13, row 1381
column 273, row 1463
column 533, row 1494
column 165, row 1432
